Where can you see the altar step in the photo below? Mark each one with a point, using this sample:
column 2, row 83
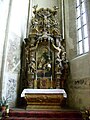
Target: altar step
column 43, row 115
column 25, row 118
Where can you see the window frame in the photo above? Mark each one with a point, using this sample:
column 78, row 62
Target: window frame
column 80, row 14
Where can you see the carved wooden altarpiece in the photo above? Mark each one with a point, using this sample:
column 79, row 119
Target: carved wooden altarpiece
column 44, row 63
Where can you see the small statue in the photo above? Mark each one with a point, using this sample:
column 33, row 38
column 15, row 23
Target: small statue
column 63, row 56
column 27, row 54
column 31, row 66
column 58, row 49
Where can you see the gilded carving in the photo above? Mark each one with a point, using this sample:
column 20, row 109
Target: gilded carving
column 45, row 55
column 53, row 101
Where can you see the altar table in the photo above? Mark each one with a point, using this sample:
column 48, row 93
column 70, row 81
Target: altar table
column 44, row 98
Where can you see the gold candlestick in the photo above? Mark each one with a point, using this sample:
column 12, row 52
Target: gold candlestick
column 51, row 83
column 35, row 84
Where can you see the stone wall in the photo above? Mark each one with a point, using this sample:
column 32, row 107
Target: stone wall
column 78, row 83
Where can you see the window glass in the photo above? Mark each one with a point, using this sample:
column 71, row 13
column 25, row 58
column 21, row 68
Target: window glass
column 86, row 45
column 82, row 33
column 82, row 0
column 78, row 3
column 79, row 22
column 80, row 47
column 84, row 18
column 79, row 35
column 83, row 7
column 78, row 12
column 85, row 31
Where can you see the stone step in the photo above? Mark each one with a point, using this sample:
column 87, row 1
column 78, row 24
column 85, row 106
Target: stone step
column 46, row 114
column 43, row 115
column 25, row 118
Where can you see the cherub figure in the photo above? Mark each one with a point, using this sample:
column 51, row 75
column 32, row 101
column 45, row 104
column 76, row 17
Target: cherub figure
column 58, row 49
column 31, row 66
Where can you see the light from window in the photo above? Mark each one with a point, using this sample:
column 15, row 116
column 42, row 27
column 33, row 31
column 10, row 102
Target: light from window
column 86, row 46
column 84, row 19
column 80, row 47
column 78, row 3
column 83, row 7
column 79, row 35
column 82, row 34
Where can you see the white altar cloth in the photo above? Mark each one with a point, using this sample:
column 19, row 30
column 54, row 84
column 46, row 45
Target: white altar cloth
column 45, row 91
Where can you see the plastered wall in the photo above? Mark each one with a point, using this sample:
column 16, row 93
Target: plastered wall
column 13, row 35
column 78, row 83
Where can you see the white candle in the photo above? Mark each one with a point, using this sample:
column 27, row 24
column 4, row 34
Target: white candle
column 7, row 110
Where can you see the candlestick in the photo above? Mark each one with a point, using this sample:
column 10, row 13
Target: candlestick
column 51, row 82
column 35, row 84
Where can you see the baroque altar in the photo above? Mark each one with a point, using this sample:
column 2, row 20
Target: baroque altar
column 44, row 64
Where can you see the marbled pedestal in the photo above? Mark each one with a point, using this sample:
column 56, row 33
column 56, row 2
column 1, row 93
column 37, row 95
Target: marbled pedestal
column 44, row 98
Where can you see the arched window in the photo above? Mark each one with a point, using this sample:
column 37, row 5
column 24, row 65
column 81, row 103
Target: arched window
column 82, row 34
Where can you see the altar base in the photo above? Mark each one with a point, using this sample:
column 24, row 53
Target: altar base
column 43, row 99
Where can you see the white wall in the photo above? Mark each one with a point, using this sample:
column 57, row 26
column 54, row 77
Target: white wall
column 45, row 3
column 4, row 8
column 15, row 33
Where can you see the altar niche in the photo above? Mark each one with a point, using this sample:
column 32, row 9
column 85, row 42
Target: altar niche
column 44, row 63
